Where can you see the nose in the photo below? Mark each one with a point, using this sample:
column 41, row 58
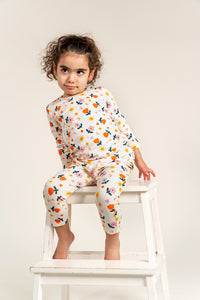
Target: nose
column 71, row 77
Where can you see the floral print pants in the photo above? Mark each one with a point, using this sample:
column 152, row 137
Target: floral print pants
column 110, row 176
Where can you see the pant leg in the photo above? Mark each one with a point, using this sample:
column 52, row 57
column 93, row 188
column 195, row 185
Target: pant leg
column 110, row 183
column 58, row 188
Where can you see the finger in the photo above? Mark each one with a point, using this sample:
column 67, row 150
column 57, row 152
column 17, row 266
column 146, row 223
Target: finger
column 152, row 172
column 148, row 175
column 140, row 174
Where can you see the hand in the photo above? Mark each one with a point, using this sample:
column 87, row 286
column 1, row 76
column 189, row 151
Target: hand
column 144, row 169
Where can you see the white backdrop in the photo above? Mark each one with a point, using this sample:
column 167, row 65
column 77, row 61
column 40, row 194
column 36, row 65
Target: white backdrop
column 151, row 65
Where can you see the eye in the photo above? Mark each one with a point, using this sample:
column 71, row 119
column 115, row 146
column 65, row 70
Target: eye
column 80, row 71
column 64, row 70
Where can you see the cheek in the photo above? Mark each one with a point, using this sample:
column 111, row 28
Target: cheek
column 61, row 79
column 83, row 79
column 60, row 82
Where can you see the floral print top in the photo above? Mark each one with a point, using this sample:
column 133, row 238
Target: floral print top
column 89, row 126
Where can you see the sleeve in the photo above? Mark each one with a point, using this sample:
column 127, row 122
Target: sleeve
column 56, row 130
column 112, row 107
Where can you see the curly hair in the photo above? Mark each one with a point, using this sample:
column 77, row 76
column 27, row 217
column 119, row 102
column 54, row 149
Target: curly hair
column 80, row 44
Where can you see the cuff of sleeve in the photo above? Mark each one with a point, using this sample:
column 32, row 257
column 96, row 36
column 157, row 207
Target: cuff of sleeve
column 134, row 143
column 135, row 146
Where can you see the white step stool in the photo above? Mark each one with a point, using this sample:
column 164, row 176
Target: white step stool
column 90, row 268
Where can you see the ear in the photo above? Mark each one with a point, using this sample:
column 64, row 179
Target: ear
column 54, row 69
column 91, row 74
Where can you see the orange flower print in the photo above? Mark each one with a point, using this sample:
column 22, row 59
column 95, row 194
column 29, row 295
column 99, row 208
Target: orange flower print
column 103, row 121
column 86, row 111
column 114, row 157
column 60, row 151
column 57, row 108
column 95, row 105
column 61, row 177
column 97, row 141
column 122, row 176
column 57, row 221
column 50, row 191
column 111, row 207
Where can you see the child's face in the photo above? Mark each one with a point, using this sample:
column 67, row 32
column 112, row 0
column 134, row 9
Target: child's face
column 73, row 73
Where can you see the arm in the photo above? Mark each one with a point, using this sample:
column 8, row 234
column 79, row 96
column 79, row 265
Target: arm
column 56, row 130
column 132, row 140
column 141, row 165
column 119, row 118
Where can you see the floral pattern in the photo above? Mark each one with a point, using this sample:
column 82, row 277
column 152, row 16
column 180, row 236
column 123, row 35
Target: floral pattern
column 96, row 147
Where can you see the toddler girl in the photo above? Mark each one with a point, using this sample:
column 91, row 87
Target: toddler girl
column 95, row 144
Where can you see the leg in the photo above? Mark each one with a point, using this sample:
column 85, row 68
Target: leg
column 55, row 193
column 112, row 246
column 110, row 181
column 65, row 239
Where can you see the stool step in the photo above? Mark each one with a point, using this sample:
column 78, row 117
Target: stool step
column 92, row 263
column 134, row 256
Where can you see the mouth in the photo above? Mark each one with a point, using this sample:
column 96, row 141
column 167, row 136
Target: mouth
column 70, row 87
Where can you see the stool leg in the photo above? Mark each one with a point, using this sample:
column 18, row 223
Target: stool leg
column 65, row 292
column 164, row 281
column 157, row 227
column 149, row 229
column 160, row 245
column 151, row 288
column 37, row 287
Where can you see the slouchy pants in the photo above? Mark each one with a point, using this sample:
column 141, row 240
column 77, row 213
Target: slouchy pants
column 110, row 176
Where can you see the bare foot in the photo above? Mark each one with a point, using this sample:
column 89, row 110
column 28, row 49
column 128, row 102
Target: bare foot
column 112, row 247
column 61, row 251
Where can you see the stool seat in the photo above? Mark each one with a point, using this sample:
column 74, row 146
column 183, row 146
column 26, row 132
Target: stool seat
column 90, row 268
column 132, row 186
column 130, row 193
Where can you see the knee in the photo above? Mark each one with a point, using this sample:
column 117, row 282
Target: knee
column 108, row 195
column 49, row 187
column 107, row 204
column 101, row 197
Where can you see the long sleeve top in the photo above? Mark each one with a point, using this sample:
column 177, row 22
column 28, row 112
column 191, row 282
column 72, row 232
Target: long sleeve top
column 89, row 125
